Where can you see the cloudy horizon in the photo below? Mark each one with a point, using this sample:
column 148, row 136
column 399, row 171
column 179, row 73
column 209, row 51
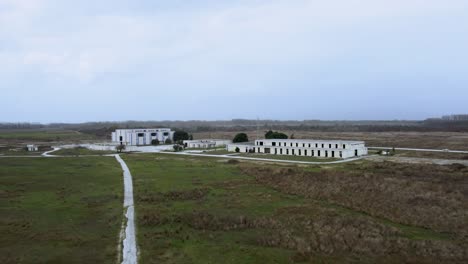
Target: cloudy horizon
column 78, row 61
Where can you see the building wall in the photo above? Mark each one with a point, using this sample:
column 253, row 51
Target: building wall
column 206, row 143
column 141, row 137
column 324, row 149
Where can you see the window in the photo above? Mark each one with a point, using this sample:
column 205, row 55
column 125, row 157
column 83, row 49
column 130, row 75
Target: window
column 336, row 146
column 318, row 153
column 316, row 145
column 281, row 151
column 326, row 153
column 333, row 154
column 297, row 144
column 309, row 145
column 329, row 145
column 273, row 144
column 299, row 152
column 312, row 153
column 292, row 151
column 276, row 151
column 341, row 154
column 141, row 134
column 166, row 134
column 291, row 144
column 154, row 134
column 258, row 150
column 287, row 151
column 303, row 145
column 261, row 143
column 344, row 146
column 305, row 152
column 323, row 146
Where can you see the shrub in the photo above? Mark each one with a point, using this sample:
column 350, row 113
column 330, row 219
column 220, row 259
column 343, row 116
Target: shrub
column 155, row 142
column 168, row 141
column 178, row 148
column 237, row 149
column 120, row 148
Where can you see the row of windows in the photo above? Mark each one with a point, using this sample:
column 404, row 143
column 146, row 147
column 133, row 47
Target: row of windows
column 304, row 145
column 299, row 152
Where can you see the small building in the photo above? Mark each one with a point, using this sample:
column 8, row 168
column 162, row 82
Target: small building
column 142, row 137
column 303, row 147
column 32, row 147
column 206, row 143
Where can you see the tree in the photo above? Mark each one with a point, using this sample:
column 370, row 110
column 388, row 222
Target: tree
column 190, row 137
column 168, row 141
column 237, row 149
column 120, row 148
column 178, row 148
column 241, row 137
column 275, row 135
column 180, row 136
column 155, row 142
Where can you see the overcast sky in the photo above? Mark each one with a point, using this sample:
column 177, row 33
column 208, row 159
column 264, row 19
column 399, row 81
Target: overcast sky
column 91, row 60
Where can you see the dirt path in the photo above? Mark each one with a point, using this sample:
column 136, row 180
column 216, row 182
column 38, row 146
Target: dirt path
column 129, row 250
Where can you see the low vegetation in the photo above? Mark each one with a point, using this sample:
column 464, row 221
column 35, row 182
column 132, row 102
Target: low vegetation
column 81, row 151
column 203, row 210
column 60, row 210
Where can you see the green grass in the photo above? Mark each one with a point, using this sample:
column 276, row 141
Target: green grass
column 55, row 135
column 60, row 210
column 81, row 151
column 158, row 174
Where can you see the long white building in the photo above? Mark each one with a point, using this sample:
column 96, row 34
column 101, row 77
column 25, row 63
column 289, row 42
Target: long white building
column 206, row 143
column 141, row 137
column 303, row 147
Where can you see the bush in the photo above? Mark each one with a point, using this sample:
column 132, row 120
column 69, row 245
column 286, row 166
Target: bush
column 178, row 148
column 120, row 148
column 237, row 149
column 155, row 142
column 168, row 141
column 241, row 137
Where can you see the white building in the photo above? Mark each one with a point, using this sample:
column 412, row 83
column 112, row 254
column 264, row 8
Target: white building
column 304, row 147
column 32, row 147
column 206, row 143
column 141, row 137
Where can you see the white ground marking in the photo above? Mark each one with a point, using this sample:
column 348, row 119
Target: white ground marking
column 129, row 250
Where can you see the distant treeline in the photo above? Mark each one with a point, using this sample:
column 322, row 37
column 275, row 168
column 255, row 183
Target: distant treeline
column 103, row 128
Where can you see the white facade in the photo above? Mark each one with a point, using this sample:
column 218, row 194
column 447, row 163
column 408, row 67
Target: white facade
column 206, row 143
column 141, row 137
column 32, row 147
column 304, row 147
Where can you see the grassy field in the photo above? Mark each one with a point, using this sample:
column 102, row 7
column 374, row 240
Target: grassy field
column 60, row 210
column 206, row 210
column 43, row 136
column 81, row 151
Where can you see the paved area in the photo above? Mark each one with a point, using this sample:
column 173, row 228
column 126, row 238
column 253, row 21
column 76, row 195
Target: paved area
column 129, row 250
